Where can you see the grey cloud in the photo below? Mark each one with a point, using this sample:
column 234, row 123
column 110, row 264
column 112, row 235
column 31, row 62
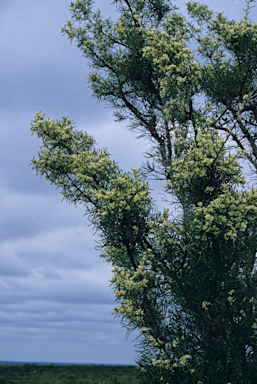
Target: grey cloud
column 56, row 302
column 54, row 290
column 42, row 70
column 84, row 333
column 56, row 248
column 71, row 286
column 11, row 264
column 44, row 348
column 24, row 215
column 60, row 316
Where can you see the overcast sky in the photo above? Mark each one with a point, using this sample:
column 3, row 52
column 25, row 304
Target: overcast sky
column 56, row 303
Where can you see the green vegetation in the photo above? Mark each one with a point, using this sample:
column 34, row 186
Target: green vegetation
column 68, row 374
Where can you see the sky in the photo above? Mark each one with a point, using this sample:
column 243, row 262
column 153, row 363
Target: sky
column 56, row 303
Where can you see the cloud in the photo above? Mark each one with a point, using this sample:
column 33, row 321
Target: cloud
column 46, row 331
column 65, row 253
column 56, row 302
column 26, row 214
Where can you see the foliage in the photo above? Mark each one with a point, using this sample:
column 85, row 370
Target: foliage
column 187, row 282
column 153, row 64
column 67, row 374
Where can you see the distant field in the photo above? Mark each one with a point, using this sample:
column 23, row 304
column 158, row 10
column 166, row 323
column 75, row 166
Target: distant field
column 68, row 374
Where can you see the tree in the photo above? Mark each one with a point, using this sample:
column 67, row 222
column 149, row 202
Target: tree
column 188, row 282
